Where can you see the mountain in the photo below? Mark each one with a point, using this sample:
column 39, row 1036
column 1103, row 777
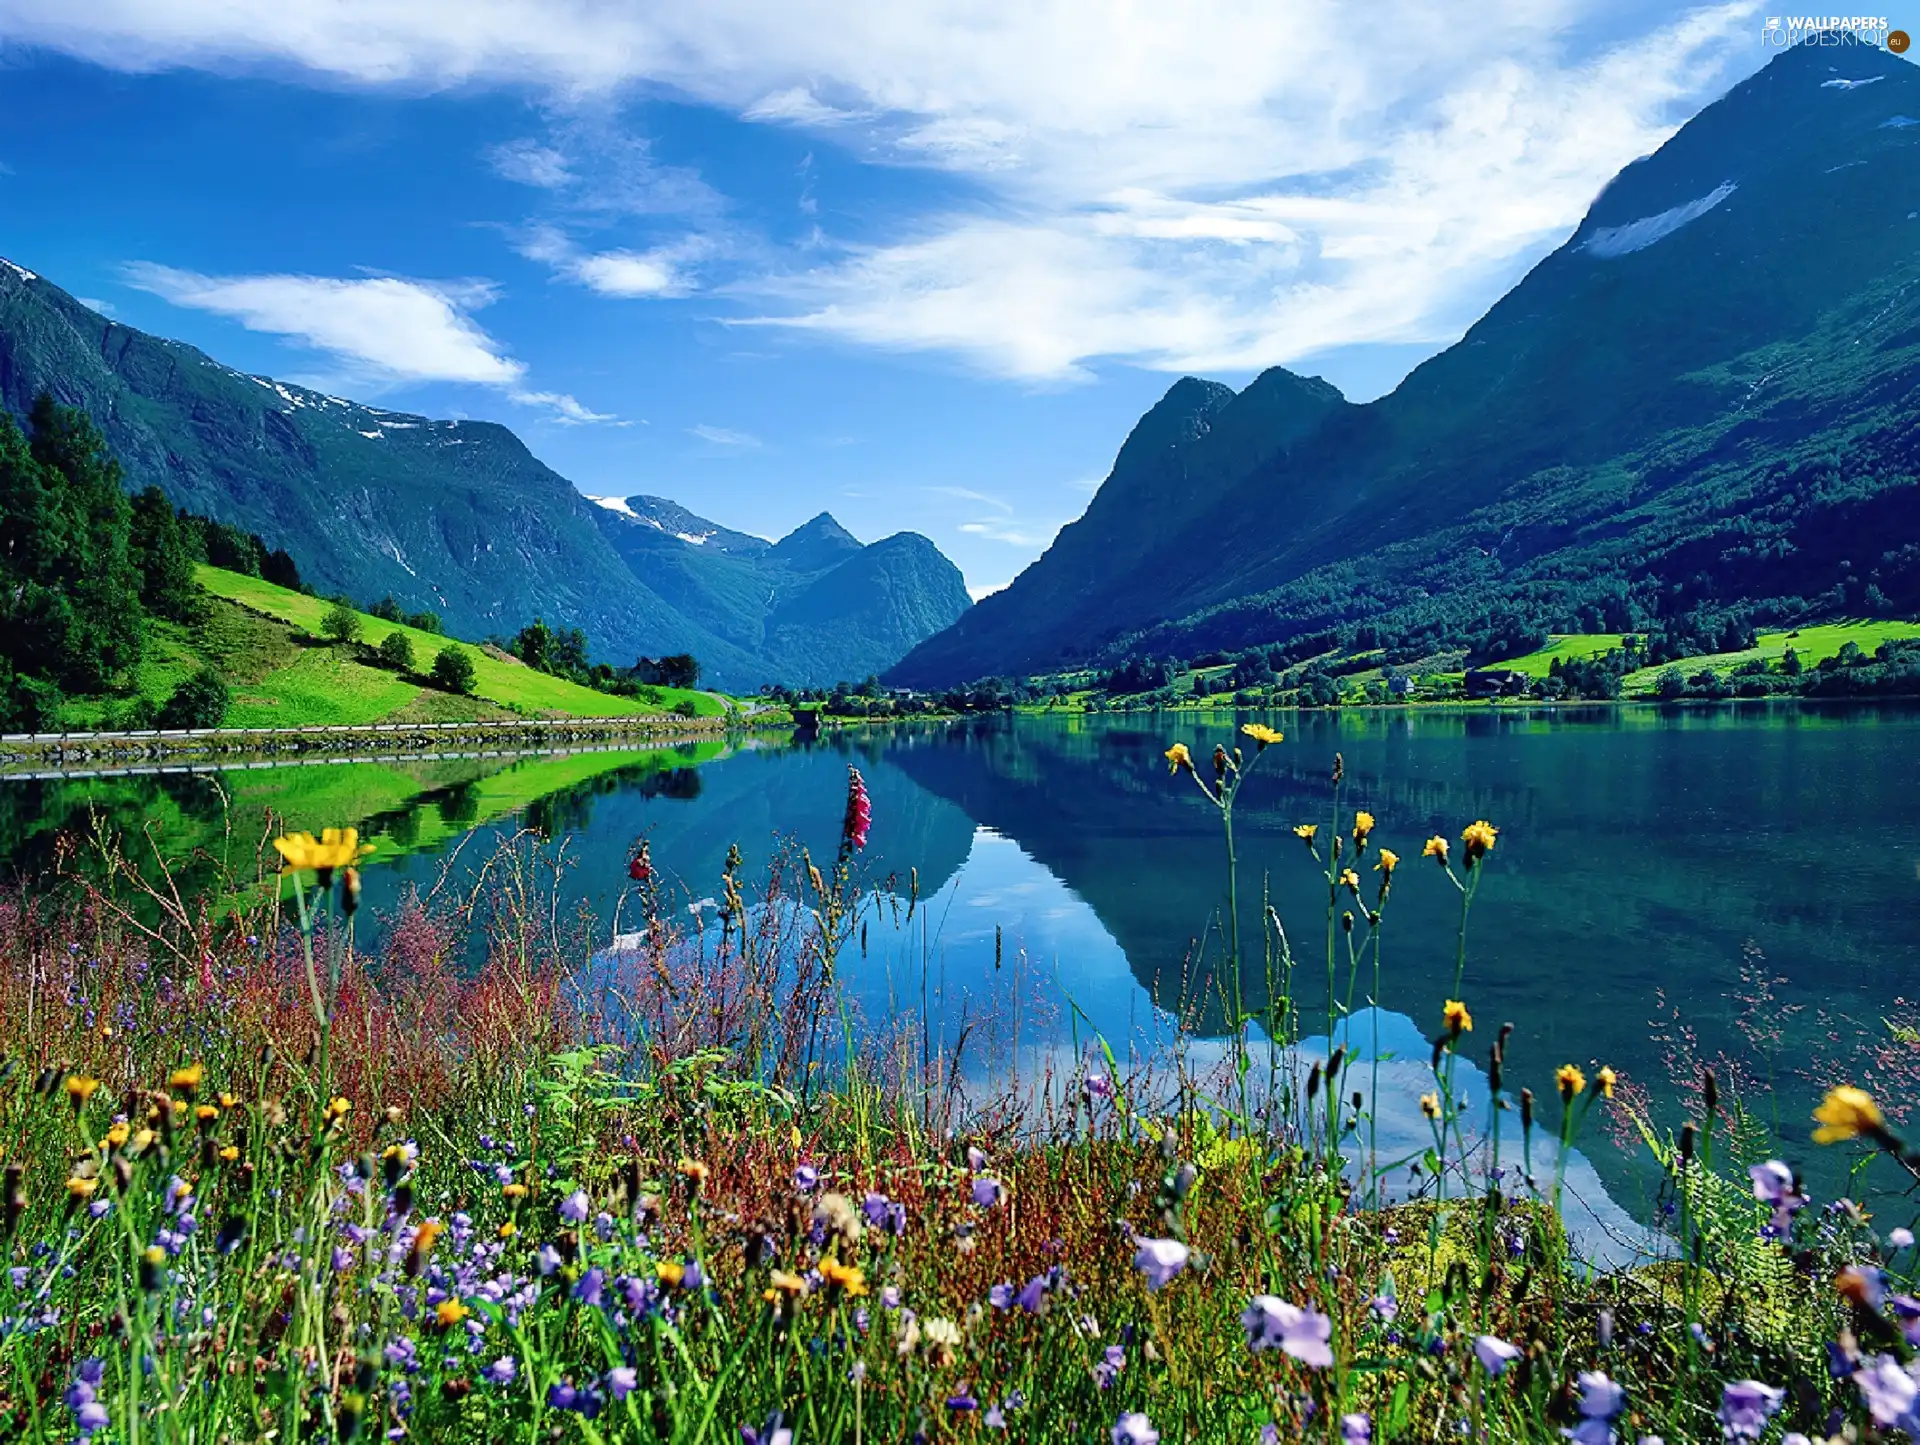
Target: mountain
column 817, row 606
column 1704, row 399
column 454, row 517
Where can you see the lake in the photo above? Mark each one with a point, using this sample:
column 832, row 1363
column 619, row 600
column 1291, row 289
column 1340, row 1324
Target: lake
column 1747, row 870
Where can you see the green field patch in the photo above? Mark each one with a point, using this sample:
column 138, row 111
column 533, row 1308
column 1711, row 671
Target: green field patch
column 1812, row 645
column 1567, row 647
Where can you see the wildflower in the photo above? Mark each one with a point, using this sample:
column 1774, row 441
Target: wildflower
column 1262, row 734
column 449, row 1312
column 1745, row 1408
column 1430, row 1105
column 988, row 1191
column 806, row 1178
column 1160, row 1260
column 1900, row 1237
column 513, row 1189
column 1606, row 1078
column 1362, row 825
column 784, row 1283
column 622, row 1381
column 853, row 1281
column 80, row 1088
column 963, row 1402
column 695, row 1173
column 337, row 1109
column 1305, row 831
column 1306, row 1334
column 859, row 819
column 82, row 1186
column 1456, row 1018
column 187, row 1080
column 502, row 1371
column 335, row 848
column 1863, row 1284
column 1096, row 1085
column 576, row 1207
column 509, row 1229
column 1570, row 1079
column 1350, row 880
column 942, row 1339
column 1479, row 840
column 1436, row 849
column 1495, row 1354
column 592, row 1288
column 1033, row 1295
column 1133, row 1428
column 83, row 1398
column 1112, row 1361
column 640, row 866
column 1601, row 1401
column 1847, row 1113
column 1389, row 860
column 1178, row 757
column 1356, row 1429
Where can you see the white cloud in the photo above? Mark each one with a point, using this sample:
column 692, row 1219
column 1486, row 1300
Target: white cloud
column 531, row 164
column 385, row 329
column 720, row 436
column 1218, row 185
column 977, row 590
column 662, row 271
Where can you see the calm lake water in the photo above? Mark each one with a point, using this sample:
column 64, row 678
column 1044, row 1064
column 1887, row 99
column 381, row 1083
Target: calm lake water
column 1646, row 857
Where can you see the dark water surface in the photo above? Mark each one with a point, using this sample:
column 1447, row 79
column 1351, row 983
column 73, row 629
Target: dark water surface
column 1645, row 857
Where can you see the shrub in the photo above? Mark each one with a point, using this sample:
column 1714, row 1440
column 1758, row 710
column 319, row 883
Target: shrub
column 424, row 621
column 396, row 651
column 453, row 671
column 199, row 702
column 342, row 623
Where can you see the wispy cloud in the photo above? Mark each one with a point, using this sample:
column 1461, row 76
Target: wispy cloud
column 967, row 494
column 720, row 436
column 1248, row 187
column 384, row 329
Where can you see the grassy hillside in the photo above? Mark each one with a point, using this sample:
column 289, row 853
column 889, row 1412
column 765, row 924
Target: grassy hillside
column 266, row 642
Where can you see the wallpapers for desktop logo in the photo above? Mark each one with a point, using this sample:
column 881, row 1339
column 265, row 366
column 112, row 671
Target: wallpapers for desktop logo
column 1788, row 30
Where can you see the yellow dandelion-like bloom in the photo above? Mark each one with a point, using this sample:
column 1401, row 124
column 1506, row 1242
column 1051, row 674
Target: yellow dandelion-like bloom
column 1350, row 879
column 514, row 1190
column 853, row 1281
column 1606, row 1079
column 1437, row 849
column 509, row 1229
column 206, row 1113
column 1458, row 1020
column 80, row 1088
column 1262, row 734
column 81, row 1186
column 229, row 1101
column 1178, row 757
column 229, row 1154
column 1430, row 1105
column 334, row 848
column 1847, row 1113
column 117, row 1134
column 1389, row 860
column 188, row 1079
column 671, row 1272
column 1305, row 831
column 1570, row 1079
column 449, row 1312
column 785, row 1283
column 694, row 1172
column 1479, row 840
column 337, row 1109
column 143, row 1140
column 1362, row 825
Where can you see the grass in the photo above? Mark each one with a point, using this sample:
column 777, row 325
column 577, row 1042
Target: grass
column 1812, row 645
column 259, row 1185
column 1568, row 647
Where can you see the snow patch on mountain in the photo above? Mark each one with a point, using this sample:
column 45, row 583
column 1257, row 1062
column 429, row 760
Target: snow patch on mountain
column 697, row 541
column 1837, row 83
column 1898, row 122
column 21, row 271
column 1611, row 241
column 615, row 504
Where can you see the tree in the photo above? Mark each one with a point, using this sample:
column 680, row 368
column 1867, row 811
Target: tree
column 424, row 621
column 386, row 609
column 1673, row 684
column 279, row 569
column 199, row 702
column 396, row 651
column 159, row 552
column 453, row 670
column 532, row 644
column 342, row 623
column 1790, row 663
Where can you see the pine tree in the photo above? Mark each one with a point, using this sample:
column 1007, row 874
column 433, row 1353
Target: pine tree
column 161, row 557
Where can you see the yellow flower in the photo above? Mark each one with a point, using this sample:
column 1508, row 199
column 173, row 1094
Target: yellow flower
column 337, row 1109
column 1362, row 825
column 334, row 848
column 1847, row 1113
column 1430, row 1105
column 1436, row 848
column 1606, row 1078
column 514, row 1190
column 80, row 1088
column 1570, row 1079
column 429, row 1231
column 1178, row 757
column 1350, row 879
column 116, row 1135
column 82, row 1186
column 143, row 1140
column 1458, row 1020
column 230, row 1153
column 853, row 1281
column 694, row 1172
column 449, row 1312
column 206, row 1113
column 1305, row 831
column 1262, row 734
column 509, row 1229
column 1479, row 840
column 229, row 1101
column 671, row 1272
column 1389, row 860
column 784, row 1284
column 188, row 1079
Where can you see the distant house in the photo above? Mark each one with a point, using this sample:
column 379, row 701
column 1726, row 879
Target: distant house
column 1495, row 682
column 1399, row 686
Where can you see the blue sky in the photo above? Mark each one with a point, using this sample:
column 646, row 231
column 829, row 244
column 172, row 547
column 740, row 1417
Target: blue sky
column 918, row 264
